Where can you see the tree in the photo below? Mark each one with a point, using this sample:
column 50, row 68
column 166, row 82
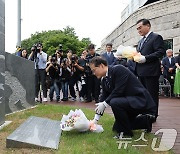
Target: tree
column 70, row 31
column 52, row 38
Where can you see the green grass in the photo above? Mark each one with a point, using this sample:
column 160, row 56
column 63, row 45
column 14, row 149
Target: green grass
column 75, row 142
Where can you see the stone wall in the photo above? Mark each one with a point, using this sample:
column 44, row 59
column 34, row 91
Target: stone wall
column 164, row 16
column 2, row 60
column 19, row 83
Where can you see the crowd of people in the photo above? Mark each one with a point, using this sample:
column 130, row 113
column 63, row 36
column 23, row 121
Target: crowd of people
column 68, row 73
column 170, row 71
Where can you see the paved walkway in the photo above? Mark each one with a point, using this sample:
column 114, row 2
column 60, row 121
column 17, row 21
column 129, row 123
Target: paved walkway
column 169, row 115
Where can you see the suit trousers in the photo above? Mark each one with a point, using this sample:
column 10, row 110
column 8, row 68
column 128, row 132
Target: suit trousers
column 151, row 83
column 126, row 117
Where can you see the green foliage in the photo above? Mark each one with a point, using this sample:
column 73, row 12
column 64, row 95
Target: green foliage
column 52, row 38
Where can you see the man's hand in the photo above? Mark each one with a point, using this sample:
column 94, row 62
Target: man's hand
column 96, row 118
column 142, row 59
column 101, row 107
column 94, row 121
column 170, row 70
column 75, row 64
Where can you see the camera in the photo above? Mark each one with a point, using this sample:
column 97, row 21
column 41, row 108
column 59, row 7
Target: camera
column 73, row 59
column 53, row 61
column 64, row 61
column 60, row 50
column 60, row 46
column 36, row 47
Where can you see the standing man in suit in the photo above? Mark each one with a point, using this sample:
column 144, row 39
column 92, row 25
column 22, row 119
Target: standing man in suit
column 108, row 55
column 131, row 103
column 169, row 68
column 151, row 47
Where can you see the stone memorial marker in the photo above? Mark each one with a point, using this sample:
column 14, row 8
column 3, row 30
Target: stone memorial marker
column 2, row 61
column 36, row 132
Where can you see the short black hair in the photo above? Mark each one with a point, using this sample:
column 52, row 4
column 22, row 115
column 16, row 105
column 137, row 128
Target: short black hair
column 109, row 44
column 91, row 46
column 144, row 22
column 98, row 61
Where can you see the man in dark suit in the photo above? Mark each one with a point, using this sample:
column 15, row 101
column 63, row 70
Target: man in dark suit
column 151, row 47
column 108, row 55
column 169, row 68
column 131, row 103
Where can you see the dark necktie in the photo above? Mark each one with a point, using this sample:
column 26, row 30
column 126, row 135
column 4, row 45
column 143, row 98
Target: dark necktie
column 142, row 42
column 106, row 83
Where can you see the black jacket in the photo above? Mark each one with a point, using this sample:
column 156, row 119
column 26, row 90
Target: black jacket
column 152, row 49
column 123, row 83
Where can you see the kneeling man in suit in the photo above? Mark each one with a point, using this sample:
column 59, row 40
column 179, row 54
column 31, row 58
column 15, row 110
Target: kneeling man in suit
column 131, row 103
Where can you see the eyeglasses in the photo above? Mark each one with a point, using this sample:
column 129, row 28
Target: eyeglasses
column 94, row 69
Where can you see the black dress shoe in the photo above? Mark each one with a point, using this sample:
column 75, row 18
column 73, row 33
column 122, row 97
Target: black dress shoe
column 148, row 119
column 152, row 118
column 149, row 125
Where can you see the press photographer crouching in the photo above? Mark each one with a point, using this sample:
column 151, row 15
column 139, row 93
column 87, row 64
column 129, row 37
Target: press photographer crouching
column 40, row 59
column 77, row 68
column 54, row 73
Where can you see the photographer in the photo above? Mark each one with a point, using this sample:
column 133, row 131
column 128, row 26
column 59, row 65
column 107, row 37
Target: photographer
column 77, row 68
column 54, row 70
column 40, row 59
column 59, row 54
column 93, row 83
column 65, row 76
column 83, row 91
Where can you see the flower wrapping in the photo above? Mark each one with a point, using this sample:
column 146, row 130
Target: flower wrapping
column 76, row 120
column 128, row 52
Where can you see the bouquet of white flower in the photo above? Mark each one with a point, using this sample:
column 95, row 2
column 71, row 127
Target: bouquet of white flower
column 128, row 52
column 76, row 120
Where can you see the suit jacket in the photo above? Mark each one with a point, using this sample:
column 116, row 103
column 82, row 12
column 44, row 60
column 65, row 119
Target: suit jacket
column 167, row 65
column 123, row 83
column 111, row 60
column 152, row 49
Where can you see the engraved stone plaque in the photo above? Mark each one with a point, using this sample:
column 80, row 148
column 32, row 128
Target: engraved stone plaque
column 36, row 132
column 2, row 61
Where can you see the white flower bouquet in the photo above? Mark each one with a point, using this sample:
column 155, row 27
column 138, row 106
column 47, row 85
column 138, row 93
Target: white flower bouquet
column 128, row 52
column 76, row 120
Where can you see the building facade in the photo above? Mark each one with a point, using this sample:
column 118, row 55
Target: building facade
column 164, row 16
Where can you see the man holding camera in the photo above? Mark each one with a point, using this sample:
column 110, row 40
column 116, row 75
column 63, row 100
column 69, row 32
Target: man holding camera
column 54, row 71
column 93, row 83
column 77, row 68
column 40, row 59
